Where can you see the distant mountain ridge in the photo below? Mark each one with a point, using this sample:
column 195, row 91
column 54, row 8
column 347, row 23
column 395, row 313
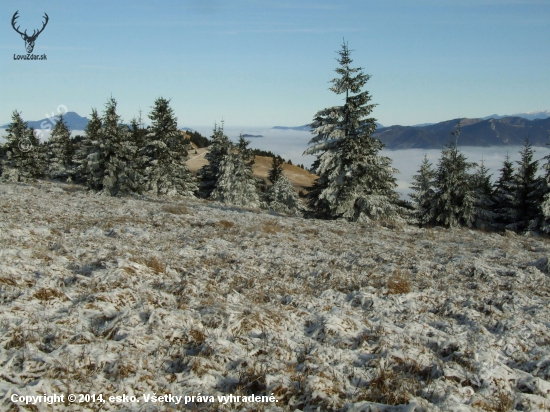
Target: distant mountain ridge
column 506, row 131
column 73, row 120
column 493, row 130
column 540, row 114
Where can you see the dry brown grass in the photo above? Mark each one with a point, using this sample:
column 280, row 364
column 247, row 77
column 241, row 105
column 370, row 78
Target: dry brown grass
column 7, row 281
column 226, row 224
column 45, row 294
column 392, row 389
column 198, row 336
column 271, row 227
column 154, row 263
column 251, row 381
column 17, row 338
column 177, row 209
column 399, row 282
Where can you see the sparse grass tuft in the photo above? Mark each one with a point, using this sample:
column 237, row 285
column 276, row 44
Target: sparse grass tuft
column 49, row 293
column 153, row 263
column 198, row 336
column 271, row 227
column 226, row 224
column 177, row 209
column 399, row 282
column 7, row 281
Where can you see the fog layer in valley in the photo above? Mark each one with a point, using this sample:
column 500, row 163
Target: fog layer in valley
column 290, row 144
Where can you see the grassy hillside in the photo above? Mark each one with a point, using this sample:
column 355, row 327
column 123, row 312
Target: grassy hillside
column 301, row 178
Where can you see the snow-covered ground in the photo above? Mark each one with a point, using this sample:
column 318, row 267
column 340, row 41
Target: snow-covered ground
column 127, row 296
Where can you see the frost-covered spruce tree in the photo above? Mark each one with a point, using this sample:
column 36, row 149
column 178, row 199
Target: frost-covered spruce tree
column 23, row 159
column 423, row 194
column 525, row 205
column 121, row 176
column 276, row 169
column 110, row 166
column 504, row 195
column 484, row 216
column 59, row 152
column 454, row 197
column 355, row 182
column 208, row 175
column 165, row 154
column 235, row 184
column 282, row 198
column 83, row 171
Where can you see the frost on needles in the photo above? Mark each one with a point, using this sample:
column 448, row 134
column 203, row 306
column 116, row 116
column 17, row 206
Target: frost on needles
column 355, row 182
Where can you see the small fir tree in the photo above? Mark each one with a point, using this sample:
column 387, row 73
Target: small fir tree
column 23, row 159
column 209, row 174
column 484, row 216
column 524, row 208
column 121, row 176
column 504, row 195
column 165, row 154
column 276, row 169
column 110, row 165
column 60, row 152
column 83, row 171
column 282, row 198
column 453, row 198
column 423, row 194
column 355, row 182
column 235, row 184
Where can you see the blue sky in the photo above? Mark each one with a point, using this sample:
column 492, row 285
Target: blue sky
column 266, row 63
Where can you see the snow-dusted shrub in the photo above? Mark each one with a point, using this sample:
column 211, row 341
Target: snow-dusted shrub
column 282, row 198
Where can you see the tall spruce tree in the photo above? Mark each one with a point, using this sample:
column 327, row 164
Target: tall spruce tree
column 423, row 194
column 235, row 184
column 525, row 205
column 504, row 195
column 166, row 154
column 355, row 182
column 209, row 174
column 23, row 159
column 454, row 198
column 484, row 216
column 59, row 152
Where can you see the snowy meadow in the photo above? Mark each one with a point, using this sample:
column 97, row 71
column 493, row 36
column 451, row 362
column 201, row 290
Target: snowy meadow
column 142, row 296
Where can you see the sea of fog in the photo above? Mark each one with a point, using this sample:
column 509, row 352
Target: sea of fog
column 290, row 144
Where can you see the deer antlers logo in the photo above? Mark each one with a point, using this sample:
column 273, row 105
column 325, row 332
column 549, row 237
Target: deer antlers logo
column 29, row 40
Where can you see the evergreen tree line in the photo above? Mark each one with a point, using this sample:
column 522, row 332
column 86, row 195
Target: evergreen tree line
column 355, row 182
column 460, row 193
column 117, row 159
column 111, row 157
